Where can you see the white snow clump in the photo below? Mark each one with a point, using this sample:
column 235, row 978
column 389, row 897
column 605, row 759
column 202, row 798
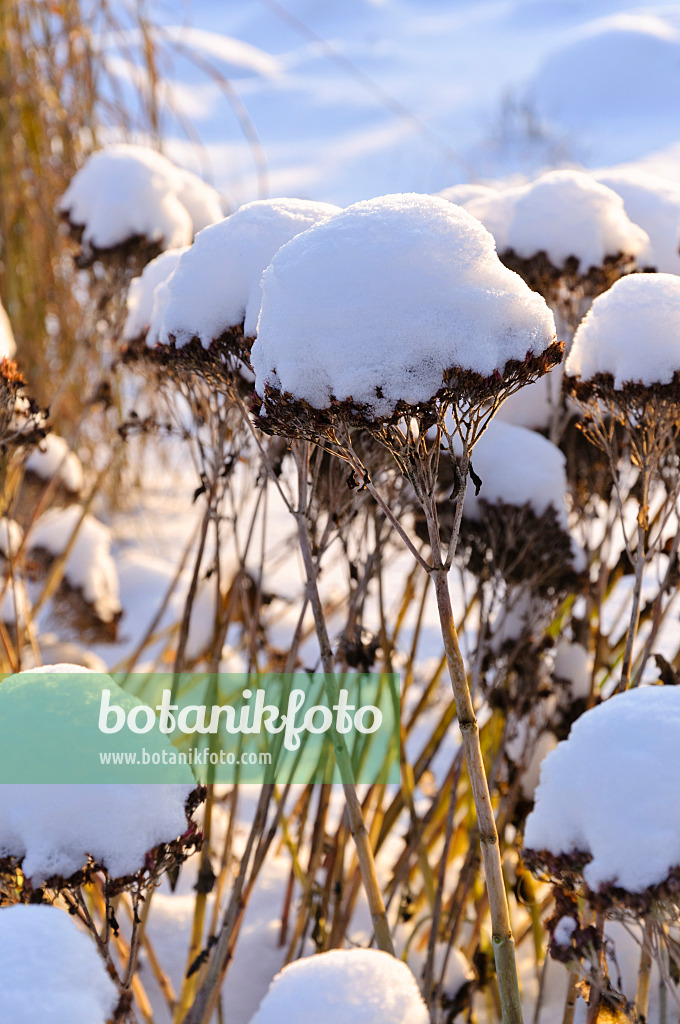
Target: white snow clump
column 518, row 467
column 561, row 213
column 49, row 723
column 148, row 295
column 53, row 456
column 217, row 283
column 51, row 970
column 126, row 191
column 379, row 302
column 364, row 986
column 89, row 566
column 654, row 204
column 631, row 331
column 610, row 790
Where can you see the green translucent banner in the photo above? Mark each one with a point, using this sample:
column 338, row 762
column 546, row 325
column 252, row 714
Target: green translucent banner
column 66, row 726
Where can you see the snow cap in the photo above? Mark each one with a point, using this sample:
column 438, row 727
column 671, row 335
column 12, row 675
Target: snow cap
column 48, row 716
column 51, row 971
column 610, row 790
column 364, row 986
column 631, row 331
column 561, row 213
column 379, row 302
column 126, row 191
column 216, row 285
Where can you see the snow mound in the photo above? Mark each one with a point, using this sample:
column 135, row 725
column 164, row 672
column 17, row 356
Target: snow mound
column 51, row 970
column 561, row 213
column 654, row 204
column 611, row 788
column 48, row 722
column 126, row 191
column 631, row 331
column 148, row 295
column 8, row 346
column 217, row 283
column 622, row 68
column 89, row 566
column 363, row 986
column 53, row 456
column 518, row 467
column 378, row 302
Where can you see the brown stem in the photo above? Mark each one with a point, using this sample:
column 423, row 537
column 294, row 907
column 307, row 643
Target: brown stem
column 503, row 942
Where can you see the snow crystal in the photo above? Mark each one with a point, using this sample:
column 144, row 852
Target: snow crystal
column 148, row 295
column 377, row 303
column 631, row 331
column 51, row 970
column 654, row 204
column 48, row 716
column 562, row 213
column 518, row 467
column 11, row 536
column 128, row 191
column 217, row 283
column 53, row 456
column 89, row 565
column 362, row 985
column 7, row 343
column 611, row 789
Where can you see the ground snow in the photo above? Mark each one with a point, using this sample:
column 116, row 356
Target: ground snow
column 89, row 566
column 377, row 303
column 125, row 191
column 53, row 456
column 631, row 331
column 216, row 285
column 51, row 971
column 561, row 213
column 362, row 985
column 49, row 716
column 611, row 790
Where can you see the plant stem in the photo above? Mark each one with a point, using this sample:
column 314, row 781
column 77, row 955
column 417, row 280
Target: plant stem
column 354, row 814
column 635, row 611
column 644, row 976
column 503, row 942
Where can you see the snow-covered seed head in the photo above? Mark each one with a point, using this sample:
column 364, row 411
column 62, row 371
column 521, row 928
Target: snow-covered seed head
column 394, row 307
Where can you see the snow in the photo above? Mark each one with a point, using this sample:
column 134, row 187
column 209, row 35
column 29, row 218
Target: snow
column 464, row 193
column 631, row 331
column 389, row 295
column 615, row 82
column 48, row 724
column 126, row 191
column 14, row 604
column 572, row 663
column 654, row 204
column 8, row 345
column 89, row 565
column 562, row 213
column 216, row 285
column 11, row 536
column 365, row 986
column 611, row 788
column 53, row 456
column 534, row 406
column 147, row 296
column 51, row 970
column 518, row 467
